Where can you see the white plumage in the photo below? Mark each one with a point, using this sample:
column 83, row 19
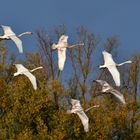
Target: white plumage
column 111, row 65
column 61, row 58
column 61, row 46
column 77, row 109
column 106, row 88
column 9, row 34
column 22, row 70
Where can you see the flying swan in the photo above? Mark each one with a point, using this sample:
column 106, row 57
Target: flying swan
column 10, row 35
column 22, row 70
column 61, row 46
column 111, row 65
column 77, row 109
column 106, row 88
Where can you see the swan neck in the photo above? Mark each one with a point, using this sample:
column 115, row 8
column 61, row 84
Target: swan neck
column 36, row 69
column 24, row 34
column 126, row 62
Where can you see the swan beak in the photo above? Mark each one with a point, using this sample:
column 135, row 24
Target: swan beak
column 94, row 81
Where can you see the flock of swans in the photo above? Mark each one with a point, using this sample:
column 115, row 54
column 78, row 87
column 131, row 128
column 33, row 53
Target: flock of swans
column 61, row 47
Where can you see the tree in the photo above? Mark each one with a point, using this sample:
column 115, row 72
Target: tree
column 82, row 59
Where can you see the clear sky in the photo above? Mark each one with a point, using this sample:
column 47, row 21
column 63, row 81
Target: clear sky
column 103, row 17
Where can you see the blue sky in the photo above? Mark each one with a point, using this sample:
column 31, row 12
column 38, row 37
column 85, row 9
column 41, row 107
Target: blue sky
column 105, row 18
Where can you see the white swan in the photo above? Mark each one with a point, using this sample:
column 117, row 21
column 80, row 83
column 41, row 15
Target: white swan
column 106, row 88
column 9, row 34
column 77, row 109
column 22, row 70
column 61, row 46
column 111, row 65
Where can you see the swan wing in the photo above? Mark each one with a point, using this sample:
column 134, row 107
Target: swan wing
column 20, row 67
column 104, row 84
column 108, row 58
column 61, row 58
column 118, row 95
column 18, row 42
column 76, row 106
column 75, row 102
column 32, row 78
column 115, row 74
column 63, row 39
column 84, row 119
column 7, row 30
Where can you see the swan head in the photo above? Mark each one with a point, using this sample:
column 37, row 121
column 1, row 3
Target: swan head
column 29, row 33
column 129, row 61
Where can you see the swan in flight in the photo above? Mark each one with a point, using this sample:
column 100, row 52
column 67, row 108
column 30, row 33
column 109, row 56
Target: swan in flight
column 111, row 65
column 61, row 46
column 9, row 34
column 77, row 109
column 22, row 70
column 106, row 88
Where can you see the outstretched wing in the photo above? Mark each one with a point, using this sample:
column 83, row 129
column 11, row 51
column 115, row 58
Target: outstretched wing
column 18, row 42
column 108, row 58
column 7, row 30
column 63, row 39
column 115, row 74
column 84, row 119
column 31, row 78
column 75, row 102
column 61, row 58
column 20, row 67
column 118, row 95
column 104, row 84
